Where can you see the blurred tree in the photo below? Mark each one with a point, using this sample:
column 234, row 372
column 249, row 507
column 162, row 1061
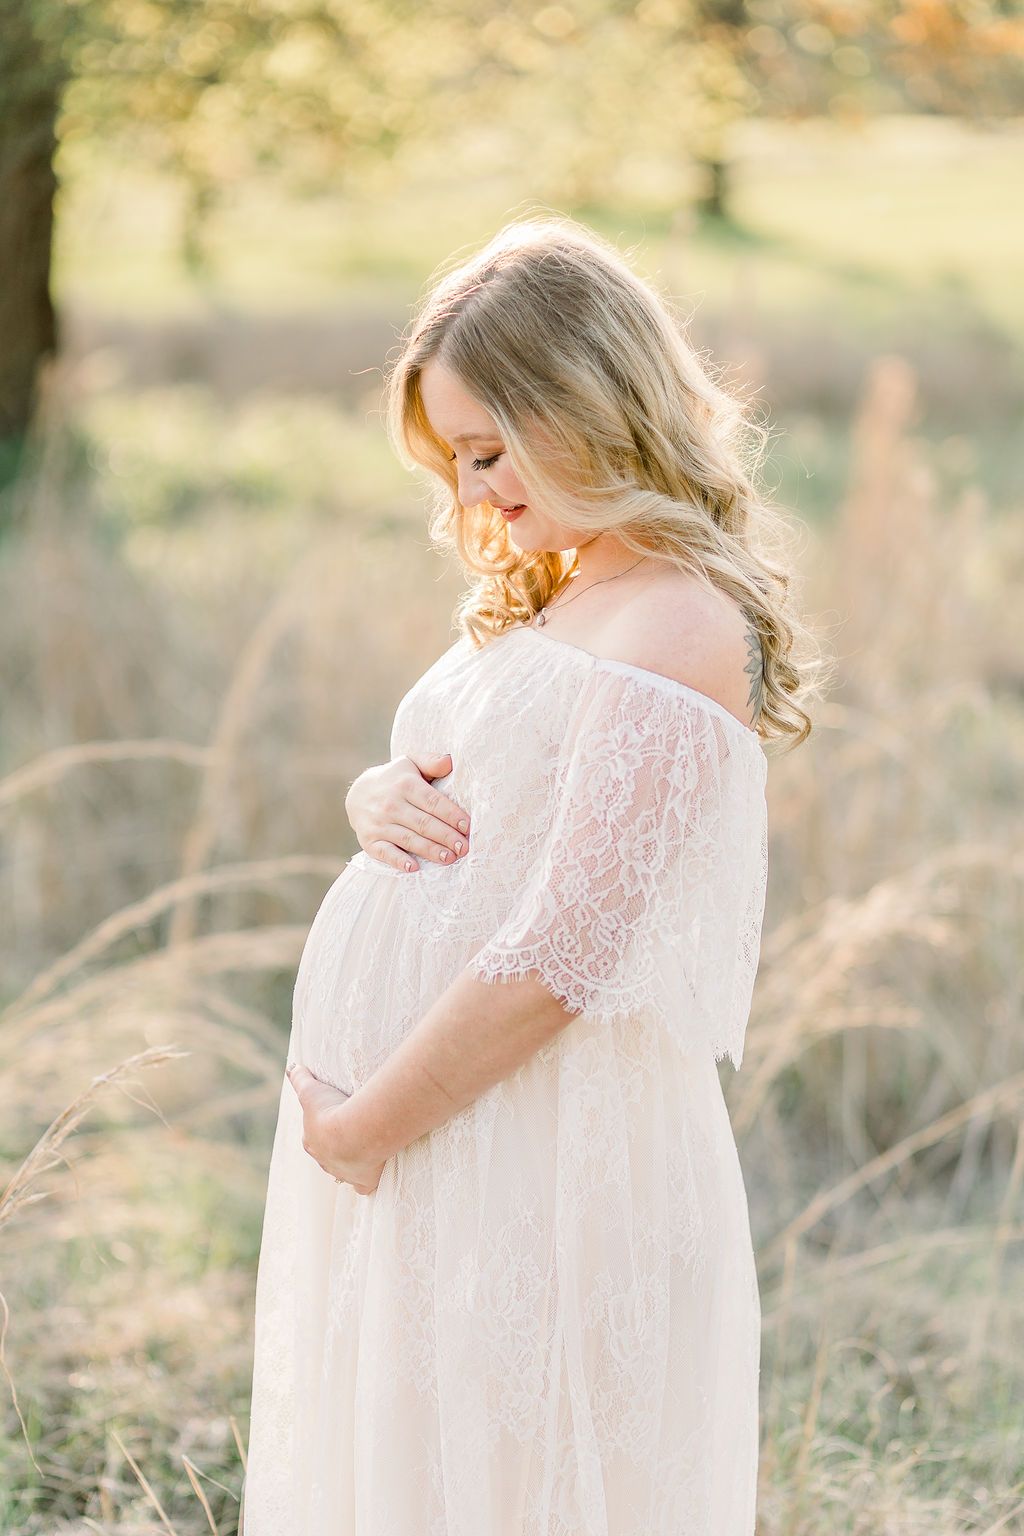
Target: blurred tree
column 31, row 79
column 961, row 57
column 583, row 92
column 216, row 90
column 324, row 90
column 211, row 89
column 853, row 58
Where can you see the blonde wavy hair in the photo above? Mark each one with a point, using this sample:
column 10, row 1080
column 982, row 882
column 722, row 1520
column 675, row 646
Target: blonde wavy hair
column 612, row 423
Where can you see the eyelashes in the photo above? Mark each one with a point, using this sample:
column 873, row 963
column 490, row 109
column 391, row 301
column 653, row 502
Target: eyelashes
column 481, row 464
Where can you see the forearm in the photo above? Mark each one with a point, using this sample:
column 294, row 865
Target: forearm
column 476, row 1034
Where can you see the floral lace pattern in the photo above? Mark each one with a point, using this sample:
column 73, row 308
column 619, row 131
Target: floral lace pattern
column 648, row 889
column 545, row 1321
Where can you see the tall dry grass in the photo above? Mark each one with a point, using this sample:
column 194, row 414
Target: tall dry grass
column 176, row 742
column 881, row 1105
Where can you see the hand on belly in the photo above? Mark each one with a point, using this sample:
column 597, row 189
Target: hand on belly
column 323, row 1133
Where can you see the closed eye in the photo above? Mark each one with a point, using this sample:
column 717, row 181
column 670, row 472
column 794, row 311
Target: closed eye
column 479, row 464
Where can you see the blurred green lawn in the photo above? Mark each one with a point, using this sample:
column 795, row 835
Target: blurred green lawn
column 903, row 207
column 901, row 236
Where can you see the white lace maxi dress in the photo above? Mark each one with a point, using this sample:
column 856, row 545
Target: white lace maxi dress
column 545, row 1321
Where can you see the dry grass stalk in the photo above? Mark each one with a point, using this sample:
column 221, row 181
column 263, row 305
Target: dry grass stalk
column 874, row 511
column 225, row 742
column 1006, row 1523
column 52, row 766
column 782, row 1318
column 196, row 1016
column 1003, row 1236
column 261, row 872
column 255, row 949
column 226, row 1106
column 883, row 1256
column 988, row 1102
column 11, row 1387
column 826, row 944
column 238, row 1441
column 143, row 1483
column 200, row 1495
column 46, row 1152
column 810, row 1420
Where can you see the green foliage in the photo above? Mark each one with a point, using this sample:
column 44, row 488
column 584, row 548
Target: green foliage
column 323, row 90
column 33, row 35
column 855, row 58
column 221, row 87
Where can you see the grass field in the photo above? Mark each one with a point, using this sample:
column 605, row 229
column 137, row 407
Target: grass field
column 220, row 588
column 902, row 208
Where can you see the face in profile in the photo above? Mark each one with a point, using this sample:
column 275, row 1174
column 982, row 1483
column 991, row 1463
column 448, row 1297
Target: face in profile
column 485, row 470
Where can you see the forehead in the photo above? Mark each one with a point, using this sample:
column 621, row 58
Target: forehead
column 452, row 412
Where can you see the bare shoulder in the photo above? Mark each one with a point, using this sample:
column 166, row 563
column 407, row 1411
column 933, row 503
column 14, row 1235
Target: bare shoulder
column 696, row 635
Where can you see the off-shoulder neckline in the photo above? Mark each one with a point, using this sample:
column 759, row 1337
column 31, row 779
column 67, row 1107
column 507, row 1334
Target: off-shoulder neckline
column 645, row 675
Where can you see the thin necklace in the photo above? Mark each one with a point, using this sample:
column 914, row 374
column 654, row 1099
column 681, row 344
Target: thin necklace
column 542, row 616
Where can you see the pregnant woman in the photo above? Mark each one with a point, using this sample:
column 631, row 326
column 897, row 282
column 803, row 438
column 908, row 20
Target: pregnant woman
column 506, row 1285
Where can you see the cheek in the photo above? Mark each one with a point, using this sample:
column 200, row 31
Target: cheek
column 511, row 485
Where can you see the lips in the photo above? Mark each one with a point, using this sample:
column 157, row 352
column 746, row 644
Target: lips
column 508, row 513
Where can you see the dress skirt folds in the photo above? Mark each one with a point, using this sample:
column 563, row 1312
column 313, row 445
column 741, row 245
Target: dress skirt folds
column 545, row 1321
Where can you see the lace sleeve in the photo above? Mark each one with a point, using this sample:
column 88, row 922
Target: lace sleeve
column 648, row 891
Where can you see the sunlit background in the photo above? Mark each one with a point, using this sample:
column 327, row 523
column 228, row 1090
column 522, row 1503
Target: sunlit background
column 215, row 585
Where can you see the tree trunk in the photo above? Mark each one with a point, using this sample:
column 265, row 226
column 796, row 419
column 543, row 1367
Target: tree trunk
column 30, row 86
column 714, row 203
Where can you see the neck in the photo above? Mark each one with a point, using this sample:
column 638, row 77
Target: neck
column 604, row 555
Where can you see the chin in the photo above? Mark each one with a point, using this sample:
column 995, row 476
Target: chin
column 539, row 543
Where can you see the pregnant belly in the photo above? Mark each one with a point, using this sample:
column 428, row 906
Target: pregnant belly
column 366, row 976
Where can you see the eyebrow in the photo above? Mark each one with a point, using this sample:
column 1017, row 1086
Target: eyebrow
column 473, row 437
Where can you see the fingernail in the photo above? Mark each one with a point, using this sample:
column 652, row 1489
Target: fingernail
column 410, row 866
column 444, row 855
column 458, row 848
column 463, row 826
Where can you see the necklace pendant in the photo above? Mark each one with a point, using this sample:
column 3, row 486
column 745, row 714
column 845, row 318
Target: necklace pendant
column 542, row 619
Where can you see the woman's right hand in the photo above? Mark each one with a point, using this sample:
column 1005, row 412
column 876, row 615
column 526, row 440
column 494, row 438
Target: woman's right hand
column 395, row 811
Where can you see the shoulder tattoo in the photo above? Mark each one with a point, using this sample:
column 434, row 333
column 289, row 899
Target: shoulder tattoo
column 755, row 669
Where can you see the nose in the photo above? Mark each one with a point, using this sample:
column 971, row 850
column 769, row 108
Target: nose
column 472, row 487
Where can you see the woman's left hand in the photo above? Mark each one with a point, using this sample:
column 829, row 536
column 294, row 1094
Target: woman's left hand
column 323, row 1132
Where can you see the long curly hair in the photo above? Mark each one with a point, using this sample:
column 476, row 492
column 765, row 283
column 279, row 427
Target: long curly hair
column 612, row 422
